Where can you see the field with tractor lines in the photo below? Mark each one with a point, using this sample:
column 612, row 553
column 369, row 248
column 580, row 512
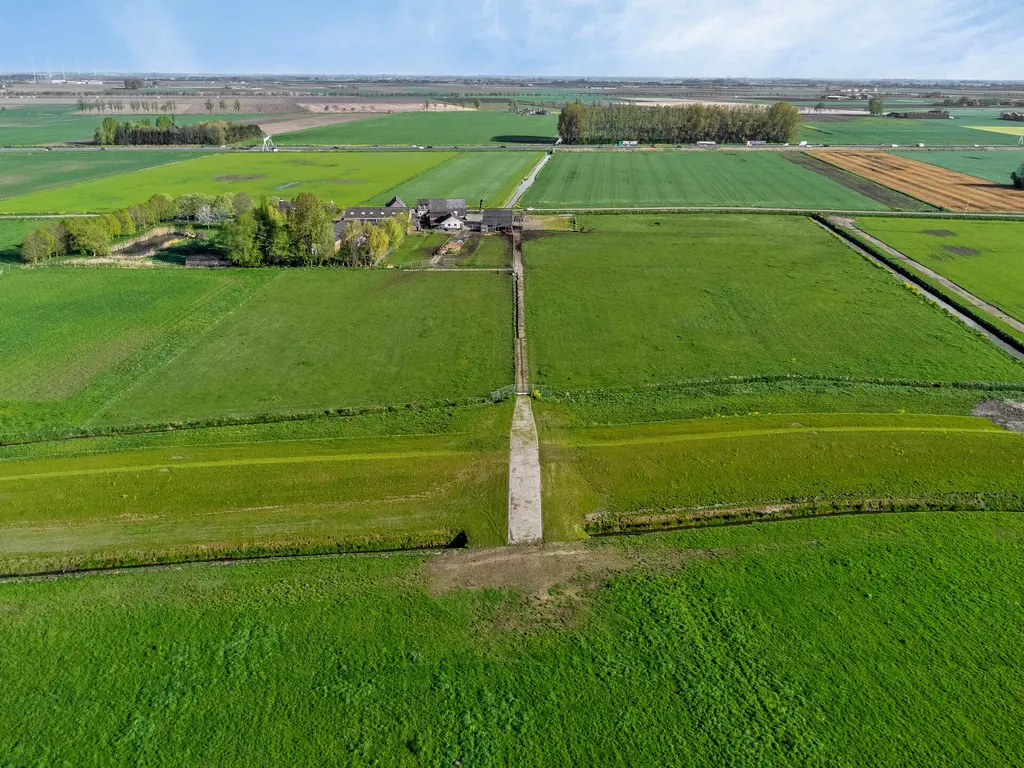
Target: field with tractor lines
column 679, row 179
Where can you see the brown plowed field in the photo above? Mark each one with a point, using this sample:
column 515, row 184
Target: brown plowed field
column 947, row 189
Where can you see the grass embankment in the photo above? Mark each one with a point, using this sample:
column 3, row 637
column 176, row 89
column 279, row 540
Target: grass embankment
column 491, row 177
column 844, row 642
column 667, row 179
column 327, row 485
column 650, row 300
column 100, row 348
column 984, row 258
column 431, row 128
column 345, row 178
column 636, row 477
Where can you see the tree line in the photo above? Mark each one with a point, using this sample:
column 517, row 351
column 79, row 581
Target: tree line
column 1018, row 177
column 166, row 132
column 687, row 124
column 304, row 236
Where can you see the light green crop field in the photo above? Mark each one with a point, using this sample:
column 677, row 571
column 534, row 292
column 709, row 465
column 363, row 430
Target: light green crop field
column 885, row 130
column 655, row 299
column 304, row 487
column 347, row 178
column 490, row 251
column 616, row 473
column 12, row 232
column 473, row 176
column 335, row 338
column 888, row 639
column 22, row 174
column 665, row 179
column 984, row 257
column 993, row 165
column 443, row 129
column 61, row 124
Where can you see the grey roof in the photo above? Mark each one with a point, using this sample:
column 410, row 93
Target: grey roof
column 396, row 202
column 366, row 213
column 498, row 217
column 449, row 217
column 441, row 205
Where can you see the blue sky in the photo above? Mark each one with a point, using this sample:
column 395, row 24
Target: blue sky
column 978, row 39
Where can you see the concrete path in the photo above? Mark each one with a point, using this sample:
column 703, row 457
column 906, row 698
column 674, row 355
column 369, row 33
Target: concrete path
column 528, row 182
column 525, row 520
column 945, row 282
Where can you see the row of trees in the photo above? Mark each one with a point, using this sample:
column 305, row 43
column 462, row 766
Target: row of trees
column 304, row 236
column 166, row 132
column 579, row 124
column 119, row 106
column 94, row 236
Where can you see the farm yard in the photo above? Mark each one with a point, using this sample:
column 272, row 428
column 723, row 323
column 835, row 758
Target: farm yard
column 552, row 660
column 984, row 258
column 944, row 188
column 471, row 128
column 680, row 179
column 657, row 299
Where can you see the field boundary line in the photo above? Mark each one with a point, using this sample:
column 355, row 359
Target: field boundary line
column 254, row 462
column 788, row 431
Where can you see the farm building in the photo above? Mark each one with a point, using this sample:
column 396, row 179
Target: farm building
column 498, row 220
column 372, row 215
column 451, row 223
column 431, row 212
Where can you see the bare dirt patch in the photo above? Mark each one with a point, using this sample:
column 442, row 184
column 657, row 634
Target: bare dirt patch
column 1005, row 413
column 233, row 177
column 959, row 250
column 938, row 232
column 880, row 194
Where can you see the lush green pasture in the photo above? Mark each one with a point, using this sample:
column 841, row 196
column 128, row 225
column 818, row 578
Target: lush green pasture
column 331, row 484
column 890, row 640
column 993, row 165
column 667, row 468
column 74, row 339
column 474, row 176
column 664, row 179
column 984, row 257
column 61, row 124
column 654, row 299
column 21, row 174
column 12, row 232
column 887, row 130
column 431, row 128
column 335, row 338
column 345, row 178
column 415, row 249
column 490, row 251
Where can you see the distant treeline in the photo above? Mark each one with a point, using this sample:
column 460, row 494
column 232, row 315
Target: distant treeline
column 688, row 124
column 166, row 132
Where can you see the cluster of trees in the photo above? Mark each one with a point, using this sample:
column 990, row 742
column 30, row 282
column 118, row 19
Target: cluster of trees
column 579, row 124
column 1018, row 177
column 166, row 132
column 261, row 236
column 134, row 84
column 876, row 107
column 94, row 236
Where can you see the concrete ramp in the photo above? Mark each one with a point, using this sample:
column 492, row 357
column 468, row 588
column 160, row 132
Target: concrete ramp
column 525, row 523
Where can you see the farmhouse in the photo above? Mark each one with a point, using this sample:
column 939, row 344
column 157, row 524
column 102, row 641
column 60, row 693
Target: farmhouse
column 451, row 223
column 431, row 212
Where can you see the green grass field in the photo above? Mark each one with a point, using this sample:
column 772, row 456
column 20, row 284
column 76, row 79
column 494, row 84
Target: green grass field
column 22, row 174
column 672, row 469
column 884, row 130
column 62, row 124
column 12, row 232
column 985, row 258
column 888, row 640
column 994, row 165
column 473, row 176
column 655, row 299
column 333, row 338
column 431, row 128
column 332, row 484
column 665, row 179
column 345, row 178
